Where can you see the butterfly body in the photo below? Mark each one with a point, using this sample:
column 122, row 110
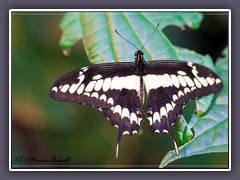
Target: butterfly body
column 119, row 90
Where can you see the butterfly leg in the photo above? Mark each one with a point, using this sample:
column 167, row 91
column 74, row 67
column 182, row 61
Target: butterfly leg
column 174, row 141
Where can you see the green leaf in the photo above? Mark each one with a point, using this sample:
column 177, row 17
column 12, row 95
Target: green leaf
column 217, row 141
column 189, row 55
column 211, row 130
column 203, row 104
column 72, row 30
column 222, row 71
column 102, row 44
column 182, row 131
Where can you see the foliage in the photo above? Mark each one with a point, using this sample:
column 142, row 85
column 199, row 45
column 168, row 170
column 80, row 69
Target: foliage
column 102, row 44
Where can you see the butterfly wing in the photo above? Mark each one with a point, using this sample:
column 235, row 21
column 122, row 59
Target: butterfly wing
column 170, row 85
column 113, row 88
column 92, row 85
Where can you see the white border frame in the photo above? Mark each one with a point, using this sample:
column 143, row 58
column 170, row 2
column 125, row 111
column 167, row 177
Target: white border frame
column 164, row 10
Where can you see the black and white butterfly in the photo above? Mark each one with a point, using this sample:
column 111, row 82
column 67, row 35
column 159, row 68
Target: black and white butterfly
column 117, row 89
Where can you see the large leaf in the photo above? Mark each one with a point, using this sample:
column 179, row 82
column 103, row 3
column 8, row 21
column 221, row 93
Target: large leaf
column 211, row 130
column 102, row 44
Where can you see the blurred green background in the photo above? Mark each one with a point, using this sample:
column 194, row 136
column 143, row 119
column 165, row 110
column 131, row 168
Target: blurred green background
column 43, row 128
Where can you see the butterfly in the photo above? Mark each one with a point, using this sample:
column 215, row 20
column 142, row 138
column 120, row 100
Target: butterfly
column 118, row 90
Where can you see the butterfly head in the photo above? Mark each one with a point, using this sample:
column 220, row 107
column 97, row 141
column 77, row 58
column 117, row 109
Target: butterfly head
column 138, row 55
column 138, row 52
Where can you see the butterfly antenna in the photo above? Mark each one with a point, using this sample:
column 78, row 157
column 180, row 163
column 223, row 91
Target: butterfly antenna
column 118, row 142
column 150, row 36
column 126, row 39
